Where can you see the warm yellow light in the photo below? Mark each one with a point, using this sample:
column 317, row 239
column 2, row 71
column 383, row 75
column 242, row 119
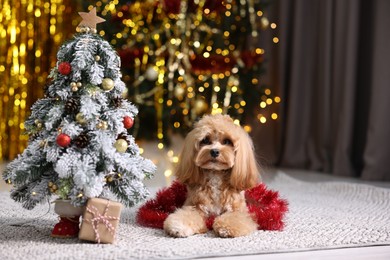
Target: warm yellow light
column 176, row 124
column 277, row 99
column 217, row 88
column 267, row 91
column 274, row 116
column 275, row 39
column 255, row 81
column 160, row 146
column 248, row 128
column 37, row 13
column 263, row 120
column 259, row 13
column 273, row 25
column 263, row 104
column 201, row 89
column 168, row 173
column 236, row 122
column 206, row 55
column 234, row 89
column 160, row 136
column 269, row 101
column 175, row 159
column 242, row 103
column 141, row 150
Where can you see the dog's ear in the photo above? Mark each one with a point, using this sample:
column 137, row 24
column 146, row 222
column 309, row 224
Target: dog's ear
column 245, row 172
column 187, row 172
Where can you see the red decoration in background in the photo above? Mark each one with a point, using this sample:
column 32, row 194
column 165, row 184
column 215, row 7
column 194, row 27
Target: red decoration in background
column 220, row 64
column 267, row 207
column 251, row 58
column 214, row 64
column 128, row 55
column 63, row 140
column 128, row 122
column 64, row 68
column 173, row 6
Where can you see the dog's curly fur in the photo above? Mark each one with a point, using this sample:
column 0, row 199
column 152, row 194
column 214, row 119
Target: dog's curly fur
column 216, row 164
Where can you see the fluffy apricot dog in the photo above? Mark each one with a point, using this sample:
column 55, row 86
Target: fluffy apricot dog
column 217, row 165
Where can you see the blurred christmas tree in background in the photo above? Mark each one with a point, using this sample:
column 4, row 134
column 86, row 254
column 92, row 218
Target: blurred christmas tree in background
column 182, row 59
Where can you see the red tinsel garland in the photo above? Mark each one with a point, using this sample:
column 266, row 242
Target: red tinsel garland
column 267, row 208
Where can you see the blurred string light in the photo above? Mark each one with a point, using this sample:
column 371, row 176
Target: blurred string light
column 30, row 34
column 171, row 47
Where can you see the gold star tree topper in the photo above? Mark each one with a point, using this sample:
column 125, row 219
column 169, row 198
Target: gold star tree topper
column 90, row 19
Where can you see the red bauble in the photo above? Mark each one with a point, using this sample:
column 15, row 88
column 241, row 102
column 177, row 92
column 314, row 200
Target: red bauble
column 63, row 140
column 128, row 122
column 64, row 68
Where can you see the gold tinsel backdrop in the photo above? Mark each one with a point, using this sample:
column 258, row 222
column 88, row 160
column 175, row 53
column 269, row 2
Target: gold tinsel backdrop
column 31, row 32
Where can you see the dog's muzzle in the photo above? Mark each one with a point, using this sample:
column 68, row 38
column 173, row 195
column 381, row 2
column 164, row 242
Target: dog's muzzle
column 214, row 153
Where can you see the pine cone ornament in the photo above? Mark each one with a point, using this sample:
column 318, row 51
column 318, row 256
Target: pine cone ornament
column 72, row 105
column 124, row 137
column 82, row 140
column 118, row 102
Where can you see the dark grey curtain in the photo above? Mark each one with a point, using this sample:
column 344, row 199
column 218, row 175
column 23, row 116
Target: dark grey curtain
column 332, row 70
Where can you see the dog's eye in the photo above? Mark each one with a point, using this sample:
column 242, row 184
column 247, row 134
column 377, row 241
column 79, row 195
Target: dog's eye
column 205, row 141
column 227, row 142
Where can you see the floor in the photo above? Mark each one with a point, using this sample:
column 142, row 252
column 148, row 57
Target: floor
column 377, row 252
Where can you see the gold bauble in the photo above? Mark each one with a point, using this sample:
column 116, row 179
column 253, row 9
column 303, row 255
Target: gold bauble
column 151, row 73
column 107, row 84
column 179, row 92
column 102, row 125
column 97, row 58
column 79, row 84
column 264, row 23
column 200, row 106
column 121, row 145
column 80, row 118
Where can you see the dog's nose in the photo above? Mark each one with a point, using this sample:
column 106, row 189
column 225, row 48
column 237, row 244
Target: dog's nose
column 214, row 153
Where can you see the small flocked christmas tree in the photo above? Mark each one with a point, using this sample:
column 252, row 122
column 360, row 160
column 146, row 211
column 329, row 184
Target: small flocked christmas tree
column 79, row 145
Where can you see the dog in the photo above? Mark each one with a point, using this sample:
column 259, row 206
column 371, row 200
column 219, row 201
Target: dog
column 217, row 164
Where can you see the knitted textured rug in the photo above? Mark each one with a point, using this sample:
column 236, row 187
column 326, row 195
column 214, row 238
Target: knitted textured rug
column 321, row 216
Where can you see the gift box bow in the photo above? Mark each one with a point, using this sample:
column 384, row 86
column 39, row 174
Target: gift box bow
column 98, row 218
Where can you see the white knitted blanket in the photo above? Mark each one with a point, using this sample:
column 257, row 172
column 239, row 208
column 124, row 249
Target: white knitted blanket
column 321, row 216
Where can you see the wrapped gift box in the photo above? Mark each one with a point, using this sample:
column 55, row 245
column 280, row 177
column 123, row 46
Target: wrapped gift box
column 100, row 220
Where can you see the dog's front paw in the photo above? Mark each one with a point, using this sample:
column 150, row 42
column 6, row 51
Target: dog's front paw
column 184, row 222
column 175, row 229
column 234, row 224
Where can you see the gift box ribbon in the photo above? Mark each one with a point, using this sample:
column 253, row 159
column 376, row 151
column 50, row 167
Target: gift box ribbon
column 99, row 218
